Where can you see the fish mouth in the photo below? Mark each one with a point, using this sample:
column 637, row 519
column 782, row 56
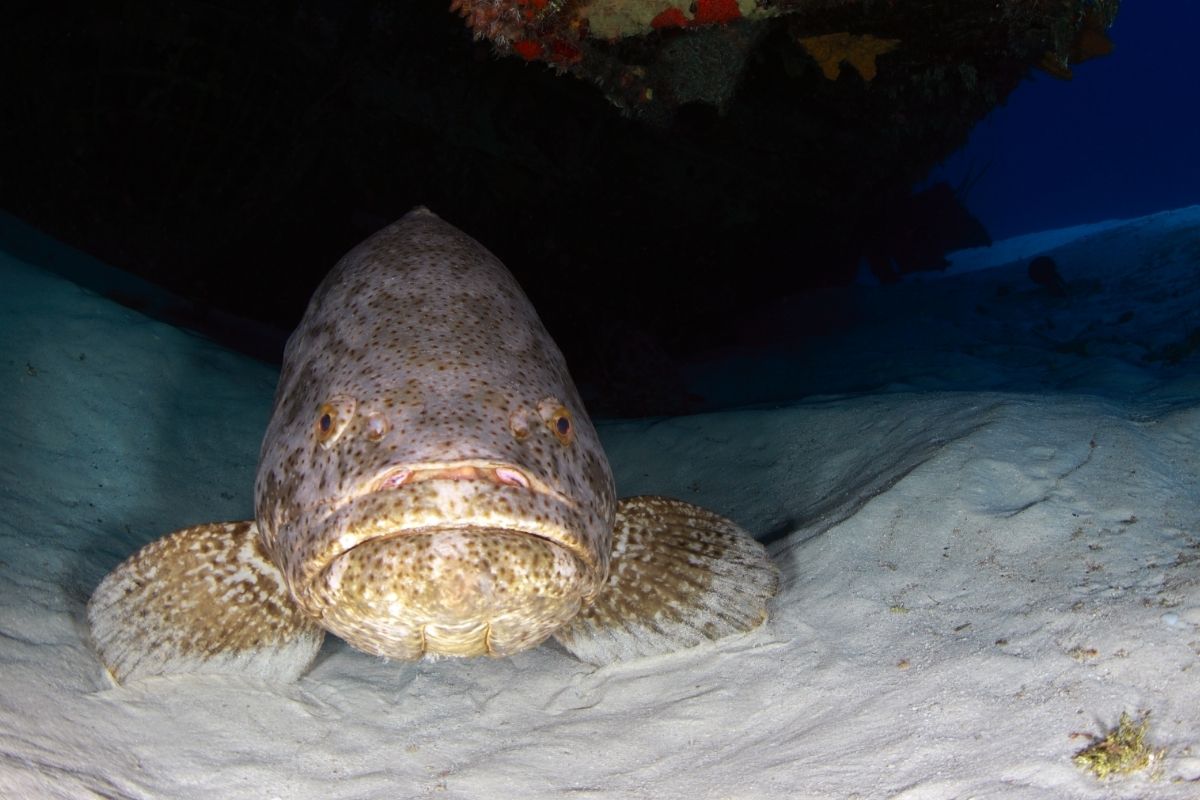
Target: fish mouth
column 411, row 499
column 468, row 537
column 487, row 471
column 408, row 498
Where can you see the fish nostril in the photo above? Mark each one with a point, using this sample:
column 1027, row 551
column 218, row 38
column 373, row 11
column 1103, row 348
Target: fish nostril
column 518, row 425
column 377, row 427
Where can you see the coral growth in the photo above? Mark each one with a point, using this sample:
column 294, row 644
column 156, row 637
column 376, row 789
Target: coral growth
column 859, row 51
column 656, row 56
column 670, row 18
column 1091, row 41
column 704, row 12
column 615, row 19
column 491, row 19
column 533, row 29
column 715, row 12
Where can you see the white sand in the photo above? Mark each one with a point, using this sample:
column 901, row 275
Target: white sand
column 992, row 551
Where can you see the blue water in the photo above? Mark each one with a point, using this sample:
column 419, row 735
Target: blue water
column 1117, row 141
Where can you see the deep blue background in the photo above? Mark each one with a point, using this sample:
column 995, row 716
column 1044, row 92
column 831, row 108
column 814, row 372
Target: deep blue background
column 1121, row 139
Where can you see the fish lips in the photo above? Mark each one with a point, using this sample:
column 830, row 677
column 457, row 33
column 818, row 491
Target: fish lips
column 445, row 496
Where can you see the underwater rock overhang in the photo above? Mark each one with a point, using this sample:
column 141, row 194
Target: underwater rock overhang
column 633, row 48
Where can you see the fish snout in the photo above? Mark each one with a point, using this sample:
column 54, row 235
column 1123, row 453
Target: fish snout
column 452, row 592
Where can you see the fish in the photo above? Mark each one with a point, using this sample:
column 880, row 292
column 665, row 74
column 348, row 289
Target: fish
column 429, row 485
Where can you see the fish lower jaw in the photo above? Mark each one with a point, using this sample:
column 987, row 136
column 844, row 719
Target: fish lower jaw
column 449, row 592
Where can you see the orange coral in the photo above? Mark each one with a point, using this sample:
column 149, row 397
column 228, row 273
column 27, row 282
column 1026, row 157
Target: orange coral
column 860, row 51
column 1090, row 42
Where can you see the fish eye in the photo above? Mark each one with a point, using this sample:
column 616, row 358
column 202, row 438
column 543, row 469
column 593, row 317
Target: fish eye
column 332, row 418
column 561, row 427
column 558, row 419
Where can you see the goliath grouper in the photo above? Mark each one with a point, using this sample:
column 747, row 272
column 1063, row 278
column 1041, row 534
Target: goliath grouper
column 429, row 485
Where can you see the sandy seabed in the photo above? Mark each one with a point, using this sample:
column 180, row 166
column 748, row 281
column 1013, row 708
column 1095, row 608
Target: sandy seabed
column 988, row 553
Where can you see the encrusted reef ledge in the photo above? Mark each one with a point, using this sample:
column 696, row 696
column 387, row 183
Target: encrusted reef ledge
column 648, row 54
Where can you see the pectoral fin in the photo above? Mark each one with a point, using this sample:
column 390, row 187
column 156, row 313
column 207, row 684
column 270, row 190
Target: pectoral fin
column 680, row 575
column 203, row 599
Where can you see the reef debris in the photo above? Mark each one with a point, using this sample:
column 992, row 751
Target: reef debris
column 1121, row 751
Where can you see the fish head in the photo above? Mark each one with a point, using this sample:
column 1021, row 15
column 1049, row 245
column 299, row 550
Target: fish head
column 430, row 482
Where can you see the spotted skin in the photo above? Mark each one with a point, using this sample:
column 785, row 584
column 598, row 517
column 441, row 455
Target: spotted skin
column 430, row 484
column 207, row 599
column 422, row 334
